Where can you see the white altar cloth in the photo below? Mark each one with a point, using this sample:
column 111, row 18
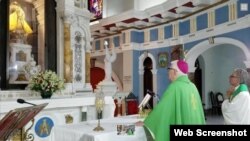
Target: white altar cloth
column 84, row 131
column 83, row 103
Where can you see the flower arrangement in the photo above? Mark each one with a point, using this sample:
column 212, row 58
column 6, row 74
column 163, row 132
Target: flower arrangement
column 46, row 82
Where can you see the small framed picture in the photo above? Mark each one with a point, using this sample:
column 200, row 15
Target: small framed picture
column 163, row 59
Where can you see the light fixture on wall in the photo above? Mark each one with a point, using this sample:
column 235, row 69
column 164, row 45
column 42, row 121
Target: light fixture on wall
column 18, row 26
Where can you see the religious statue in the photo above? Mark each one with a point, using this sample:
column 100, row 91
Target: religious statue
column 109, row 59
column 18, row 26
column 30, row 68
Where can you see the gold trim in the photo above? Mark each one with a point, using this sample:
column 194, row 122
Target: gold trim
column 69, row 119
column 68, row 59
column 23, row 135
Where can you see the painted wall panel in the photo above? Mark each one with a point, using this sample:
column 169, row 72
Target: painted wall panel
column 202, row 22
column 153, row 34
column 168, row 31
column 184, row 27
column 221, row 15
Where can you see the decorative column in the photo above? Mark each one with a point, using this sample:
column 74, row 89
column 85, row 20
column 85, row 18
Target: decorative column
column 39, row 6
column 74, row 46
column 68, row 57
column 88, row 66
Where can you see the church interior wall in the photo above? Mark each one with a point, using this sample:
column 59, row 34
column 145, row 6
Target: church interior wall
column 119, row 67
column 241, row 35
column 113, row 7
column 242, row 13
column 184, row 27
column 202, row 21
column 226, row 55
column 218, row 67
column 162, row 80
column 162, row 74
column 128, row 67
column 116, row 41
column 215, row 58
column 135, row 78
column 137, row 36
column 221, row 15
column 187, row 46
column 144, row 4
column 168, row 30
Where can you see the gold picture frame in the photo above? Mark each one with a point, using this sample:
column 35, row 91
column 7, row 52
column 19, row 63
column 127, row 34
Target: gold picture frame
column 162, row 59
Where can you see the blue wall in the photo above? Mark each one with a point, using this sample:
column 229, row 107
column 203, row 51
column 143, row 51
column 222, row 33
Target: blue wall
column 201, row 22
column 184, row 28
column 97, row 45
column 242, row 35
column 137, row 37
column 221, row 15
column 162, row 73
column 189, row 45
column 135, row 75
column 154, row 34
column 168, row 31
column 240, row 12
column 123, row 38
column 116, row 41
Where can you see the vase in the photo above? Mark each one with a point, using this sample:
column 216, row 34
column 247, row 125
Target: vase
column 46, row 95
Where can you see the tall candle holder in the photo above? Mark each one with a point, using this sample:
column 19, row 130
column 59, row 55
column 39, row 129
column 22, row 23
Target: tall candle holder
column 99, row 104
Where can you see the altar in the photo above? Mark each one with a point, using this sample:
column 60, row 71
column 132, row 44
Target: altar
column 61, row 110
column 83, row 131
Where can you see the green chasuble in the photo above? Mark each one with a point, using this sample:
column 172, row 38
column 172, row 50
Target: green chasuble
column 180, row 104
column 241, row 88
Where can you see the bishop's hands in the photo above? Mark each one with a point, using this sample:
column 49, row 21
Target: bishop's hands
column 230, row 91
column 139, row 123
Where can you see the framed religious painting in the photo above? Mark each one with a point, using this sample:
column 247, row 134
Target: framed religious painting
column 96, row 7
column 162, row 59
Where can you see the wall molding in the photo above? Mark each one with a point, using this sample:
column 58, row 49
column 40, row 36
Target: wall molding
column 201, row 47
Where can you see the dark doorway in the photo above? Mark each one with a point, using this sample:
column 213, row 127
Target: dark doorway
column 198, row 77
column 148, row 78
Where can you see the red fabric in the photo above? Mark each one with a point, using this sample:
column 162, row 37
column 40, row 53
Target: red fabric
column 132, row 107
column 96, row 75
column 116, row 108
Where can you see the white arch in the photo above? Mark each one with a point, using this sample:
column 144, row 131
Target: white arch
column 198, row 49
column 141, row 72
column 114, row 76
column 141, row 60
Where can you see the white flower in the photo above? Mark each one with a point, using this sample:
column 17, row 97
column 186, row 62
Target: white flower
column 46, row 81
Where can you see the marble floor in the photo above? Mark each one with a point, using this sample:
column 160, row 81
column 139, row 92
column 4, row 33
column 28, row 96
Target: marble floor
column 214, row 119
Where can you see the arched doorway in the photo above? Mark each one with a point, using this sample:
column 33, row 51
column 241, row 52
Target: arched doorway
column 153, row 70
column 217, row 63
column 198, row 77
column 148, row 79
